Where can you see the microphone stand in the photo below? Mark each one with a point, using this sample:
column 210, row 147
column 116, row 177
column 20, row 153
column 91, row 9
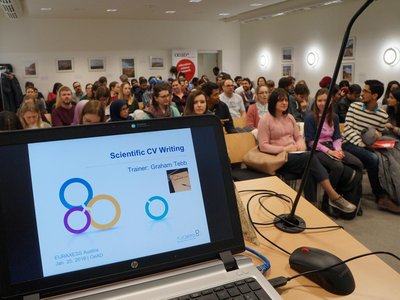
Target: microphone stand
column 290, row 222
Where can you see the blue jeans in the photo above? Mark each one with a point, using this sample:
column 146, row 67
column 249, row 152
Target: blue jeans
column 371, row 163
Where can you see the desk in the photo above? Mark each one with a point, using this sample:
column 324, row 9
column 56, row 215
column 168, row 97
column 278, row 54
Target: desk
column 374, row 278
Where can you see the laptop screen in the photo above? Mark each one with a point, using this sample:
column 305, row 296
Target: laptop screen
column 83, row 206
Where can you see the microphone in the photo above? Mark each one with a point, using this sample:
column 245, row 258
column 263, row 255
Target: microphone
column 290, row 222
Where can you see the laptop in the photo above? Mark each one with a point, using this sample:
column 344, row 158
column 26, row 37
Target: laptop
column 125, row 210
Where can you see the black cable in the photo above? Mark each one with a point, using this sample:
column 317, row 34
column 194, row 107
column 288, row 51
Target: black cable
column 269, row 193
column 281, row 280
column 296, row 225
column 256, row 229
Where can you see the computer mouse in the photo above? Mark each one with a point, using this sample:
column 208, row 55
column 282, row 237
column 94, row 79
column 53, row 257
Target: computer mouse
column 337, row 280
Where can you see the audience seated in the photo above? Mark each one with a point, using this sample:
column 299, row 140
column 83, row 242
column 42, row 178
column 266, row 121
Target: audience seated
column 277, row 132
column 119, row 111
column 298, row 102
column 196, row 104
column 178, row 95
column 392, row 85
column 232, row 100
column 360, row 117
column 125, row 94
column 160, row 105
column 29, row 116
column 353, row 95
column 78, row 111
column 258, row 109
column 104, row 96
column 9, row 121
column 63, row 112
column 217, row 107
column 92, row 112
column 329, row 147
column 247, row 92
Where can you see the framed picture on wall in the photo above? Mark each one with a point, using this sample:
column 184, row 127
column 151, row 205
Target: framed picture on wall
column 65, row 64
column 287, row 54
column 97, row 64
column 128, row 66
column 348, row 72
column 287, row 70
column 30, row 68
column 156, row 62
column 350, row 50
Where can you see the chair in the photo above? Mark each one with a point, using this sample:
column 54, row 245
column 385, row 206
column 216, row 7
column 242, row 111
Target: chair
column 238, row 144
column 48, row 117
column 341, row 127
column 239, row 122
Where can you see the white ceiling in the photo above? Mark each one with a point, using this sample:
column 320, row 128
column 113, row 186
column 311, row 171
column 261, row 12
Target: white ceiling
column 206, row 10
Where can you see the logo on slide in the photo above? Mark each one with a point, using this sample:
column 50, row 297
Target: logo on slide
column 159, row 208
column 86, row 207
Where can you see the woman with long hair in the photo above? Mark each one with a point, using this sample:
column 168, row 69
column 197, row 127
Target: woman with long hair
column 277, row 132
column 29, row 116
column 92, row 112
column 196, row 104
column 329, row 147
column 125, row 94
column 393, row 111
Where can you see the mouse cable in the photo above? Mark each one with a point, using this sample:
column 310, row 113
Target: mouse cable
column 281, row 280
column 264, row 267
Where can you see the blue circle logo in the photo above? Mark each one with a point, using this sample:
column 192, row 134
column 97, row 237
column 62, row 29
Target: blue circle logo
column 150, row 214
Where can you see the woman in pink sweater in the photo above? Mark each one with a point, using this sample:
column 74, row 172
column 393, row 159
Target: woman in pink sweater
column 277, row 132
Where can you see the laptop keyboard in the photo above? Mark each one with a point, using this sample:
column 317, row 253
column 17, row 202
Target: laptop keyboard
column 245, row 289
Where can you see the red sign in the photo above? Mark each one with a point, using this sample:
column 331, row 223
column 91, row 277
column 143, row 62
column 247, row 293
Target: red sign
column 186, row 66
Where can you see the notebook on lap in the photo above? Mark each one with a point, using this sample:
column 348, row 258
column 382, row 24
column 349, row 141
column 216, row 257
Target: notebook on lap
column 129, row 210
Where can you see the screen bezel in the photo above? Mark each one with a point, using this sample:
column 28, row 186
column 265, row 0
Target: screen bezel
column 58, row 284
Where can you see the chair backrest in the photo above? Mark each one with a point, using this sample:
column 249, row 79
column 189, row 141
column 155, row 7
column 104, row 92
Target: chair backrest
column 239, row 122
column 238, row 144
column 341, row 127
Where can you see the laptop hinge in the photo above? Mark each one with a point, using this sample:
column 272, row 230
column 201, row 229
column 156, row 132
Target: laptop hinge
column 31, row 297
column 229, row 261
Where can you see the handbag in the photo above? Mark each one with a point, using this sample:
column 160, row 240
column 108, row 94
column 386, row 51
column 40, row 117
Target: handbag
column 264, row 162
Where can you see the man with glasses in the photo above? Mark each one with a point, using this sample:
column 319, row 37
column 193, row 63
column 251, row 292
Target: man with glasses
column 232, row 100
column 363, row 116
column 78, row 92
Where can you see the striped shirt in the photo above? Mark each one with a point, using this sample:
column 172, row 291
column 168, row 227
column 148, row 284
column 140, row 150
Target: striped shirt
column 359, row 119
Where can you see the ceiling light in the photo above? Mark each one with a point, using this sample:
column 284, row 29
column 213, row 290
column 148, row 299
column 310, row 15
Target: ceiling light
column 224, row 14
column 332, row 2
column 255, row 4
column 46, row 9
column 112, row 10
column 195, row 1
column 391, row 56
column 278, row 14
column 170, row 11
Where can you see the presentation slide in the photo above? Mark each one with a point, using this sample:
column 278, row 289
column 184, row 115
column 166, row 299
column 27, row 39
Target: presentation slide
column 116, row 198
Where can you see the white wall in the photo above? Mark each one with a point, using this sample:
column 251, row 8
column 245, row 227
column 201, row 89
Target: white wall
column 323, row 29
column 45, row 40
